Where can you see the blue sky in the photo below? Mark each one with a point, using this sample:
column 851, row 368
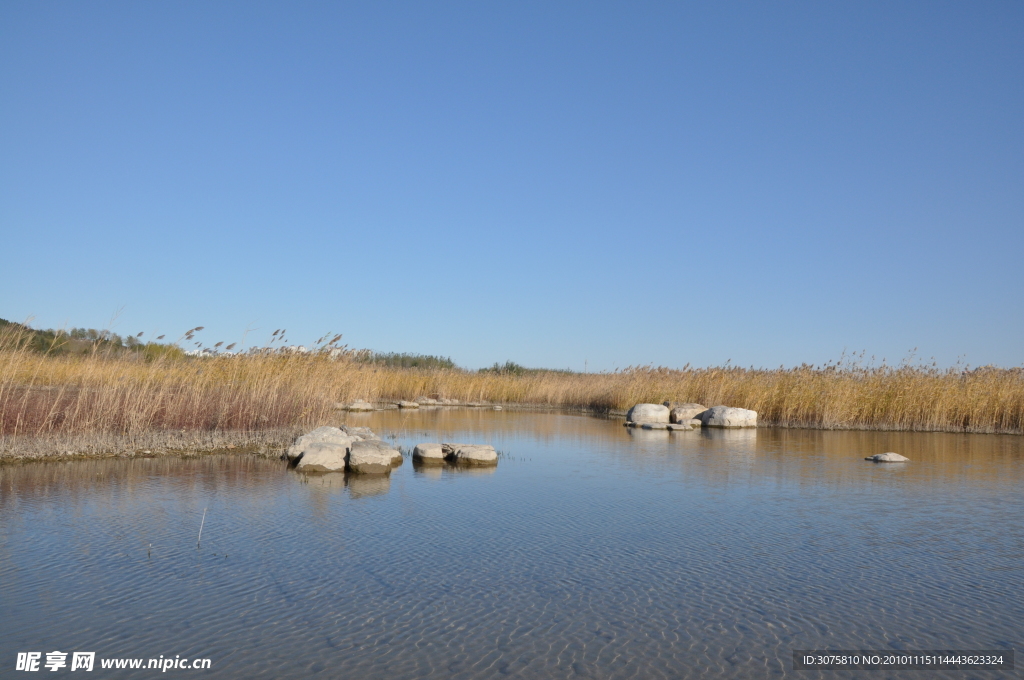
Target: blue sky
column 550, row 183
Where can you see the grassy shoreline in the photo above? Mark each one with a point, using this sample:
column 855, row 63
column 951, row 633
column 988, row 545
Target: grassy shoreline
column 126, row 400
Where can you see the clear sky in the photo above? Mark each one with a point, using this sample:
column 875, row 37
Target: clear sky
column 549, row 183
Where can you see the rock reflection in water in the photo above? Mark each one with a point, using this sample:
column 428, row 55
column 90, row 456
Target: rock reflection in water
column 361, row 486
column 437, row 471
column 358, row 486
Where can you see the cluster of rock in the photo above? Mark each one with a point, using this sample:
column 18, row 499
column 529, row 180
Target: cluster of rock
column 363, row 405
column 676, row 417
column 351, row 449
column 459, row 454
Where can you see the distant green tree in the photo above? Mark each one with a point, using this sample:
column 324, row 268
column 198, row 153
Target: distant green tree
column 406, row 360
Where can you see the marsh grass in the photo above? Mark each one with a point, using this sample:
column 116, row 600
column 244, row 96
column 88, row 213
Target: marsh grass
column 99, row 396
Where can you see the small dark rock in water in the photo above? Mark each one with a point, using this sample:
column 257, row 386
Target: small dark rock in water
column 887, row 458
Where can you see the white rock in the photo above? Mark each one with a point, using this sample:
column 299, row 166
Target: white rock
column 371, row 456
column 426, row 401
column 648, row 413
column 319, row 435
column 683, row 413
column 428, row 453
column 680, row 427
column 727, row 416
column 360, row 405
column 470, row 454
column 324, row 457
column 360, row 432
column 696, row 422
column 888, row 458
column 408, row 404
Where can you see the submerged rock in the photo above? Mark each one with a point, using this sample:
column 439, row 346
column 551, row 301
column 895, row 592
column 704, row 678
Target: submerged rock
column 888, row 458
column 682, row 413
column 371, row 456
column 360, row 405
column 655, row 426
column 648, row 413
column 470, row 454
column 408, row 404
column 324, row 457
column 680, row 427
column 728, row 416
column 429, row 454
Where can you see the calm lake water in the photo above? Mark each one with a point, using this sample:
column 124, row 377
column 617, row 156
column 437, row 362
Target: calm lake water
column 591, row 551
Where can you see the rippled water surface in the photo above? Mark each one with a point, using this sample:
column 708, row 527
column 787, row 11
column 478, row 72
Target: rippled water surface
column 591, row 551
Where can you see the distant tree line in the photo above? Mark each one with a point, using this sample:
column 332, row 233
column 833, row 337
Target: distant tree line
column 87, row 340
column 406, row 360
column 83, row 341
column 512, row 368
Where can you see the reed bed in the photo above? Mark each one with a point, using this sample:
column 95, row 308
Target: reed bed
column 68, row 395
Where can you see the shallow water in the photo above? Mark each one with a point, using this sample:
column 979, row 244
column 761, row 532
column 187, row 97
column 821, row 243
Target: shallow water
column 592, row 551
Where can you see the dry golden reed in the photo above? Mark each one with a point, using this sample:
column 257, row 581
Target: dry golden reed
column 62, row 394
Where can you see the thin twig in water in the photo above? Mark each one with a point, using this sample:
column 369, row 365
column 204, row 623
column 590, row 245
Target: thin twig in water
column 201, row 529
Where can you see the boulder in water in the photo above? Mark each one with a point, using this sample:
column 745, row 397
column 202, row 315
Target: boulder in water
column 429, row 454
column 324, row 457
column 371, row 456
column 888, row 458
column 648, row 413
column 470, row 454
column 360, row 432
column 728, row 416
column 325, row 434
column 682, row 413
